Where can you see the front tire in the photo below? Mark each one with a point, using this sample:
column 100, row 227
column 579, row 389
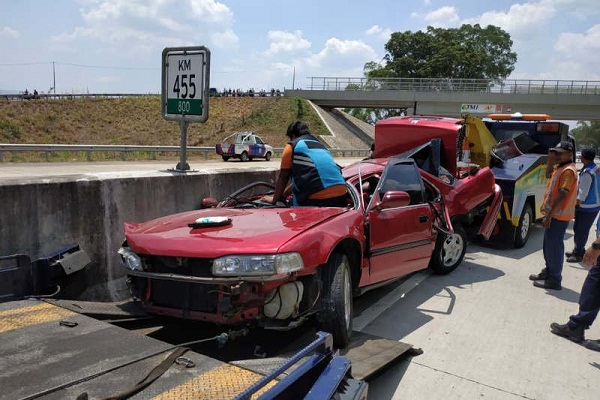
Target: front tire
column 335, row 313
column 449, row 251
column 524, row 228
column 268, row 156
column 244, row 156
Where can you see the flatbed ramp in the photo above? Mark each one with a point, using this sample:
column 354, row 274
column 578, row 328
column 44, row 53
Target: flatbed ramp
column 51, row 352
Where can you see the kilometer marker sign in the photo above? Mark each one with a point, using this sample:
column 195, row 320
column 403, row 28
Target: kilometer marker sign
column 185, row 83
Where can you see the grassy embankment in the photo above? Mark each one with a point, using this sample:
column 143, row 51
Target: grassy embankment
column 138, row 121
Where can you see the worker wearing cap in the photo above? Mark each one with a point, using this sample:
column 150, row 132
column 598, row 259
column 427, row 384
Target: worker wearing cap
column 316, row 179
column 558, row 209
column 587, row 203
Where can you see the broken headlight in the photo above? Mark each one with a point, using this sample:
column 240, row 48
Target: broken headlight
column 130, row 260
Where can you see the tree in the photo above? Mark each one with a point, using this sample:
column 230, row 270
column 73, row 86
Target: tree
column 468, row 52
column 587, row 134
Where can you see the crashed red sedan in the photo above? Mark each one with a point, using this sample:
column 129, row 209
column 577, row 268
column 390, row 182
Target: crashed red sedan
column 247, row 262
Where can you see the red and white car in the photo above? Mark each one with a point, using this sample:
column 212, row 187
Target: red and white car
column 243, row 261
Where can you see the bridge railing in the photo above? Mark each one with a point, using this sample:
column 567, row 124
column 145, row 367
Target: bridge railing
column 125, row 150
column 509, row 86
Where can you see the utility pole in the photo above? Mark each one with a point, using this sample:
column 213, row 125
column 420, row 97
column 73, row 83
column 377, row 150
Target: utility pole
column 294, row 79
column 53, row 79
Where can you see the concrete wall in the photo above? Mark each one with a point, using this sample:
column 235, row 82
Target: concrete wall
column 38, row 216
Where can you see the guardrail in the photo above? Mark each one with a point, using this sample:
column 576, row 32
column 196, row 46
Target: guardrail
column 509, row 86
column 154, row 150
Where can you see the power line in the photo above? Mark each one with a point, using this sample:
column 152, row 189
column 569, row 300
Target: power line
column 78, row 65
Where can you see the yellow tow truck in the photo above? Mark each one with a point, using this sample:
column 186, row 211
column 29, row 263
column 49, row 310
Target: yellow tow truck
column 515, row 147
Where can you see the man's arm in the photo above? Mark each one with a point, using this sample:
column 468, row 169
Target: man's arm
column 585, row 182
column 280, row 185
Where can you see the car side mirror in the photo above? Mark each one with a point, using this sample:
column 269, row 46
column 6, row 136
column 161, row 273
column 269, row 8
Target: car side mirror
column 393, row 199
column 208, row 202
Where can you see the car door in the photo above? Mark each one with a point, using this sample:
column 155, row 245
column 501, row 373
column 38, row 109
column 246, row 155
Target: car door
column 400, row 238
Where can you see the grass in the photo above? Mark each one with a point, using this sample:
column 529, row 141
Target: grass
column 138, row 121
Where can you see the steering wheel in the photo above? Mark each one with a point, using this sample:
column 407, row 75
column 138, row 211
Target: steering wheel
column 239, row 197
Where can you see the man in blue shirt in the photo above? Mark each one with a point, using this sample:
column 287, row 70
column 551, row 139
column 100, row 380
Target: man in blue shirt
column 587, row 203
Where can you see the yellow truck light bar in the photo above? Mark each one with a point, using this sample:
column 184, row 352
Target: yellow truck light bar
column 520, row 117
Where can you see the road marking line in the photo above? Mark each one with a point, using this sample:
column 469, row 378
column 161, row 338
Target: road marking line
column 361, row 321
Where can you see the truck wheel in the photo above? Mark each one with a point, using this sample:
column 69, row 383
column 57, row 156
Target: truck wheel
column 524, row 227
column 449, row 251
column 335, row 313
column 225, row 158
column 244, row 156
column 268, row 156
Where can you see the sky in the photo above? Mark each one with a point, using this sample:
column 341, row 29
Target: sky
column 115, row 46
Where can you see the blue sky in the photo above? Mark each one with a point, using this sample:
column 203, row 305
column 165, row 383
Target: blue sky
column 114, row 46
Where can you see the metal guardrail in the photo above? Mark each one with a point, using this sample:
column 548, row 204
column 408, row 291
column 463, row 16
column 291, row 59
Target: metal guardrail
column 509, row 86
column 125, row 149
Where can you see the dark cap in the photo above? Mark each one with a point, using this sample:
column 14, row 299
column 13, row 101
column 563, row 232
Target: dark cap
column 563, row 146
column 588, row 153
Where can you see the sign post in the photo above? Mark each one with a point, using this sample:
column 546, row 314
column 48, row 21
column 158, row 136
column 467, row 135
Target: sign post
column 185, row 90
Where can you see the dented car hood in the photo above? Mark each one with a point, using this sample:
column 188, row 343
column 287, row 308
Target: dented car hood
column 250, row 231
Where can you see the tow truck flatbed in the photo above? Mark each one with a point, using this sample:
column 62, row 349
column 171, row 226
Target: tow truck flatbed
column 48, row 351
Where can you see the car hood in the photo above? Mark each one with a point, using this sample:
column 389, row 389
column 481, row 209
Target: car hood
column 250, row 231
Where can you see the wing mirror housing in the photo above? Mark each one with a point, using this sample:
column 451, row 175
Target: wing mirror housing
column 208, row 202
column 393, row 199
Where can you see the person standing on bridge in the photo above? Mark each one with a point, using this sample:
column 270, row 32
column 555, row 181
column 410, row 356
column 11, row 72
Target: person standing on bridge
column 316, row 178
column 587, row 203
column 558, row 209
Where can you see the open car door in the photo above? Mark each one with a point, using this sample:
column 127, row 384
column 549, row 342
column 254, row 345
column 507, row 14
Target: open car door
column 400, row 223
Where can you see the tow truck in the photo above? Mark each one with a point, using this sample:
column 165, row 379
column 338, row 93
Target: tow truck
column 245, row 146
column 515, row 147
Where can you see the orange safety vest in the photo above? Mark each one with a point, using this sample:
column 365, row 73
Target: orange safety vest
column 566, row 210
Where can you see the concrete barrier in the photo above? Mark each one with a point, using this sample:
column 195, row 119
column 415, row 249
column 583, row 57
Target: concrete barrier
column 38, row 216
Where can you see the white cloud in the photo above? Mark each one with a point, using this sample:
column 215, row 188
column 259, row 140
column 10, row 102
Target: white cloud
column 341, row 57
column 139, row 27
column 286, row 42
column 443, row 17
column 379, row 32
column 520, row 18
column 9, row 32
column 572, row 48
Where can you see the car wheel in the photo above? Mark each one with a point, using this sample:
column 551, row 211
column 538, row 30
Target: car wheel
column 524, row 228
column 449, row 251
column 268, row 156
column 335, row 313
column 244, row 156
column 225, row 158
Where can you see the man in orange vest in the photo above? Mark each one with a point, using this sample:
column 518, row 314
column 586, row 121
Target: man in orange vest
column 558, row 209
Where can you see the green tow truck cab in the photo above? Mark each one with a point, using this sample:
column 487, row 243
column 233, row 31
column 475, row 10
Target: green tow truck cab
column 515, row 147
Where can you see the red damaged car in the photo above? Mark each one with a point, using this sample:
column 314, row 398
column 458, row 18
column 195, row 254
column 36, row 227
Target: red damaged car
column 243, row 261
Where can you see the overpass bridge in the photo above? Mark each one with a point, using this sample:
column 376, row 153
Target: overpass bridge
column 562, row 99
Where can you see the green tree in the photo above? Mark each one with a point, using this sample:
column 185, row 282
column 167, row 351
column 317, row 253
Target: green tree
column 587, row 133
column 468, row 52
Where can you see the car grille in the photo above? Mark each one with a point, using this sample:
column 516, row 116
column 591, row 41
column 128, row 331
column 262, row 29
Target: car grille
column 185, row 295
column 182, row 295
